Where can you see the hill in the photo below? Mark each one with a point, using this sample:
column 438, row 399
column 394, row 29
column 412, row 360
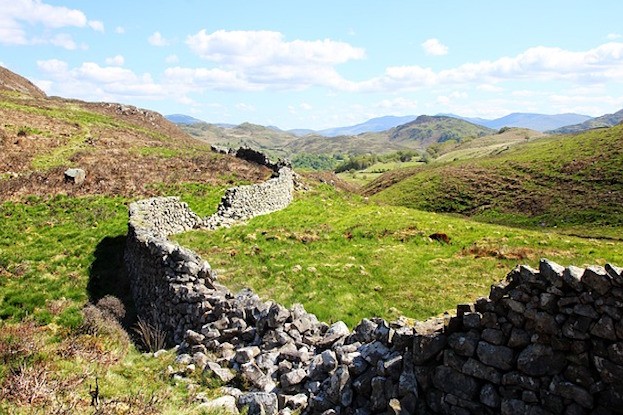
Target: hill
column 268, row 139
column 182, row 119
column 373, row 125
column 426, row 130
column 607, row 120
column 537, row 122
column 559, row 181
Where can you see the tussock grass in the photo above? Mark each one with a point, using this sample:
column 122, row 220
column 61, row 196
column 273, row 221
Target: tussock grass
column 345, row 258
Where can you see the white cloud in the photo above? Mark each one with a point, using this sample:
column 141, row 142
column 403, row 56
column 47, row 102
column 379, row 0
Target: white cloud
column 119, row 30
column 252, row 48
column 15, row 14
column 96, row 25
column 305, row 106
column 434, row 47
column 537, row 64
column 156, row 39
column 172, row 59
column 614, row 36
column 117, row 60
column 63, row 40
column 245, row 107
column 398, row 105
column 94, row 82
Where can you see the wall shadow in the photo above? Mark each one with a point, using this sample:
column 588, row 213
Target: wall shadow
column 108, row 276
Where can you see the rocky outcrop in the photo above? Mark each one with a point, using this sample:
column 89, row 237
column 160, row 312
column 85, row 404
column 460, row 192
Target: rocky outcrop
column 546, row 341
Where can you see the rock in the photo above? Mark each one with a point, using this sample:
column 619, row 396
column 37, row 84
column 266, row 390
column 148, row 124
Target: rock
column 247, row 354
column 427, row 346
column 296, row 402
column 223, row 374
column 254, row 375
column 277, row 315
column 500, row 357
column 464, row 344
column 322, row 364
column 200, row 360
column 292, row 378
column 604, row 328
column 551, row 271
column 571, row 391
column 573, row 277
column 481, row 371
column 224, row 404
column 373, row 352
column 75, row 176
column 337, row 331
column 540, row 360
column 258, row 403
column 489, row 396
column 183, row 359
column 451, row 381
column 597, row 278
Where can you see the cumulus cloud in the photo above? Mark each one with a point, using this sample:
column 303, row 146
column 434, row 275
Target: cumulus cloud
column 252, row 48
column 156, row 39
column 16, row 15
column 172, row 59
column 434, row 47
column 94, row 82
column 537, row 64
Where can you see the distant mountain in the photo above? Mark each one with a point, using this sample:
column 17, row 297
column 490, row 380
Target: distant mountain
column 537, row 122
column 299, row 132
column 182, row 119
column 372, row 125
column 427, row 130
column 607, row 120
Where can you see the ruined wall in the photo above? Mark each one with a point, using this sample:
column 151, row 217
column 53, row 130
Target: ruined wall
column 546, row 341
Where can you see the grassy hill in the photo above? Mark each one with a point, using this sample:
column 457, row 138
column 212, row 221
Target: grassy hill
column 61, row 248
column 427, row 130
column 562, row 181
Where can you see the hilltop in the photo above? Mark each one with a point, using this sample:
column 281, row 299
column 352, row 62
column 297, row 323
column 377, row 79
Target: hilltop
column 560, row 181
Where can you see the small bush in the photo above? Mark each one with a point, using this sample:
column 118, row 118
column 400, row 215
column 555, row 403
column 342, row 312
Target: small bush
column 112, row 306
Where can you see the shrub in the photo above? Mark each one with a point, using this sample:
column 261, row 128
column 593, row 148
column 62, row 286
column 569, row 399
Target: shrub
column 111, row 306
column 151, row 335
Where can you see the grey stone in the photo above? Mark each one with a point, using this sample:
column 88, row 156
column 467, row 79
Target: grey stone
column 489, row 396
column 224, row 404
column 75, row 176
column 292, row 378
column 540, row 360
column 464, row 344
column 451, row 381
column 223, row 374
column 373, row 352
column 258, row 403
column 571, row 391
column 481, row 371
column 247, row 354
column 597, row 278
column 573, row 277
column 500, row 357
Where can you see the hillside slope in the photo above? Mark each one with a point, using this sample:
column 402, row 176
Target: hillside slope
column 557, row 181
column 123, row 149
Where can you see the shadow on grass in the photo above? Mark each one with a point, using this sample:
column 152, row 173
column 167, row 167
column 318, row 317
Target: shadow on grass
column 108, row 276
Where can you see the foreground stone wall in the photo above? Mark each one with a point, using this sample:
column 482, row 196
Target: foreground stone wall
column 546, row 341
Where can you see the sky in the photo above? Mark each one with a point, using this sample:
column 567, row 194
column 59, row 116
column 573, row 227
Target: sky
column 321, row 64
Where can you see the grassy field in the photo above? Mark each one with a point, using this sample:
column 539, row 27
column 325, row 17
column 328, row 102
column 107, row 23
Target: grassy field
column 345, row 258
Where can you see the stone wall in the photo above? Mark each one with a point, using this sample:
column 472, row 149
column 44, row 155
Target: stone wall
column 546, row 341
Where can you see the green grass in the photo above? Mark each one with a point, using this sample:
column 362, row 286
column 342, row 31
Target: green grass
column 345, row 259
column 563, row 181
column 55, row 255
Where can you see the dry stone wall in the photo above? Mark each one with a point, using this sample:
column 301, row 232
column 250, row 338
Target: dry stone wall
column 546, row 341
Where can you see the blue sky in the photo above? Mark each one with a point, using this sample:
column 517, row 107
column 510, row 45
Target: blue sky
column 321, row 64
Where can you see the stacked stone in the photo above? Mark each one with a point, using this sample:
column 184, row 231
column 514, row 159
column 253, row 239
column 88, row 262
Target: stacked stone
column 546, row 342
column 162, row 216
column 244, row 202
